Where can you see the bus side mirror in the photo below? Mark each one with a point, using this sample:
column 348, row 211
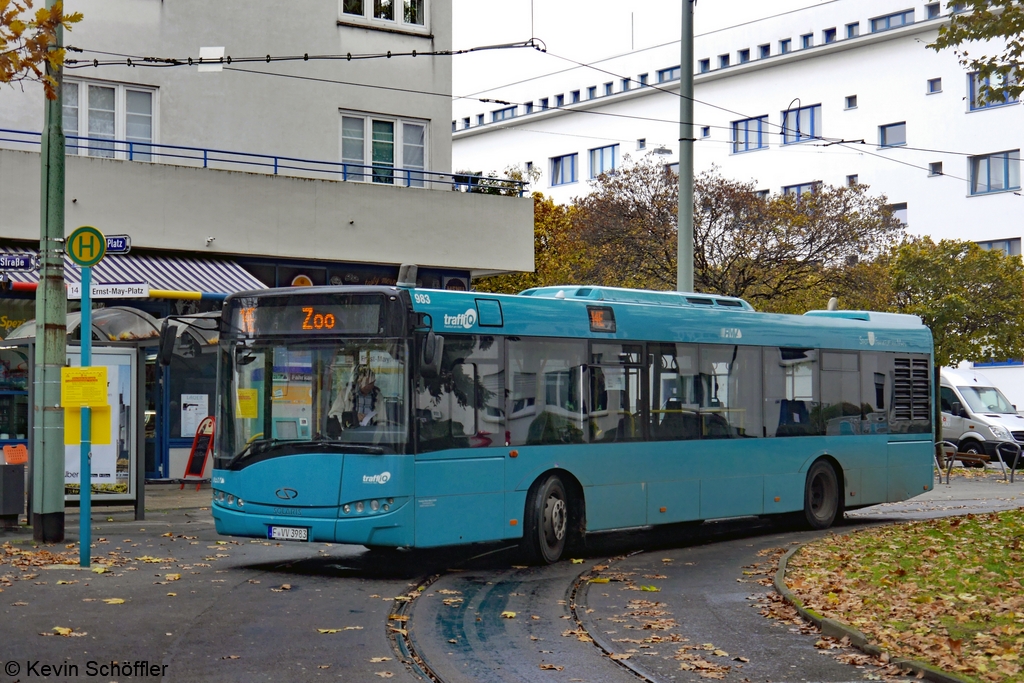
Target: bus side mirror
column 168, row 335
column 430, row 357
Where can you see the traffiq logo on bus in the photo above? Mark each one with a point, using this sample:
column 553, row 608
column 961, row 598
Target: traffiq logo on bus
column 466, row 320
column 381, row 478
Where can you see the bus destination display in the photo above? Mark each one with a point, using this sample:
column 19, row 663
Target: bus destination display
column 303, row 317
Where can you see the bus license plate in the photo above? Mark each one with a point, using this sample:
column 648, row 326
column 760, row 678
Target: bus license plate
column 288, row 533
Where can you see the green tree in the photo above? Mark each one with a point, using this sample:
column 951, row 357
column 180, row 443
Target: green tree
column 26, row 39
column 993, row 30
column 559, row 255
column 971, row 299
column 778, row 252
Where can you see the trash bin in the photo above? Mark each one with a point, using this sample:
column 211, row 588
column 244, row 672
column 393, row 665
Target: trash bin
column 12, row 495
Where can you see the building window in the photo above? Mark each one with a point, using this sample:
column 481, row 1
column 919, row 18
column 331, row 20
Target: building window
column 785, row 46
column 393, row 149
column 956, row 7
column 851, row 102
column 529, row 167
column 410, row 14
column 559, row 101
column 828, row 36
column 743, row 56
column 801, row 124
column 543, row 104
column 625, row 85
column 528, row 108
column 801, row 189
column 603, row 160
column 995, row 172
column 671, row 74
column 643, row 80
column 723, row 61
column 705, row 131
column 465, row 122
column 806, row 41
column 607, row 88
column 890, row 21
column 502, row 114
column 575, row 96
column 479, row 119
column 1010, row 247
column 764, row 51
column 852, row 180
column 453, row 126
column 978, row 101
column 935, row 168
column 892, row 135
column 592, row 92
column 931, row 10
column 899, row 212
column 934, row 85
column 110, row 111
column 563, row 169
column 641, row 143
column 853, row 30
column 750, row 134
column 704, row 66
column 762, row 194
column 673, row 168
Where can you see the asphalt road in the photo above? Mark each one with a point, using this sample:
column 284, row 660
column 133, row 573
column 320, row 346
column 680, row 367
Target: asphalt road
column 245, row 609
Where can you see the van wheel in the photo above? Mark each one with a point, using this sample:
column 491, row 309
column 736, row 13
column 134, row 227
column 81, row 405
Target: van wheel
column 546, row 522
column 821, row 496
column 971, row 447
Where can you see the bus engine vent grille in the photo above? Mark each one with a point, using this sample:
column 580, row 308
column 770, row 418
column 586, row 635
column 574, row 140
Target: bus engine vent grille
column 912, row 389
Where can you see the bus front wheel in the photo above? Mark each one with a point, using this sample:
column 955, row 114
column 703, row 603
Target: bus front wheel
column 546, row 523
column 821, row 496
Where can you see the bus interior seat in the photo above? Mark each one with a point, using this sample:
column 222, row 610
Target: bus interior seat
column 678, row 425
column 717, row 427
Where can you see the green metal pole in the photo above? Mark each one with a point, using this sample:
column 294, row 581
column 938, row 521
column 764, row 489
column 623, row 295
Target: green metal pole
column 51, row 327
column 684, row 262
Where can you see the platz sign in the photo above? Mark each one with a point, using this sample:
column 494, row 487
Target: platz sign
column 125, row 290
column 119, row 244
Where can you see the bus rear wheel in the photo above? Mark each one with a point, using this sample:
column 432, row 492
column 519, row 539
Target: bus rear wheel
column 821, row 496
column 546, row 523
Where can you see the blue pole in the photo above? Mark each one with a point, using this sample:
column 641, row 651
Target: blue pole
column 85, row 469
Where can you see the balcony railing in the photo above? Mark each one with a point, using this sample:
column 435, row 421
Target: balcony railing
column 204, row 157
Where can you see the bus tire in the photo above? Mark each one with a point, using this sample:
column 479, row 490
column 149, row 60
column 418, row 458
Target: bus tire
column 821, row 496
column 546, row 522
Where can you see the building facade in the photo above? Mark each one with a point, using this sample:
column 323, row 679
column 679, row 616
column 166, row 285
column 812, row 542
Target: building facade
column 309, row 171
column 842, row 92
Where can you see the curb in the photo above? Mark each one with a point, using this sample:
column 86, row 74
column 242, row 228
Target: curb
column 839, row 630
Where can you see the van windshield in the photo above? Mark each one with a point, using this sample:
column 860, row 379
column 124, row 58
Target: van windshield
column 986, row 400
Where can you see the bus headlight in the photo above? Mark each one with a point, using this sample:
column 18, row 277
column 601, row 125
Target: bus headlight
column 231, row 499
column 241, row 503
column 346, row 508
column 359, row 506
column 386, row 507
column 374, row 505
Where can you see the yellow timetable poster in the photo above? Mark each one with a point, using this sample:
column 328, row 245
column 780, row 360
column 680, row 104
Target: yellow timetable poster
column 247, row 406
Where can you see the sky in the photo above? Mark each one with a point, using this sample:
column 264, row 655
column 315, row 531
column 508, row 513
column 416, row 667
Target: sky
column 584, row 30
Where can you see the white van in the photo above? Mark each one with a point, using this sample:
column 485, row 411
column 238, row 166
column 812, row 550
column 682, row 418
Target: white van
column 975, row 414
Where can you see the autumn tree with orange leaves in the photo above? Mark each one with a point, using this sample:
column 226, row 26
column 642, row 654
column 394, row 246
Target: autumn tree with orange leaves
column 27, row 39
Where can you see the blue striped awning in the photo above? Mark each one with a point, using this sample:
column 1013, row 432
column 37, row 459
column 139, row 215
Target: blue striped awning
column 159, row 272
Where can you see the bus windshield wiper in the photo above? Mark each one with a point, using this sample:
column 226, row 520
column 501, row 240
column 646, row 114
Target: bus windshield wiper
column 251, row 449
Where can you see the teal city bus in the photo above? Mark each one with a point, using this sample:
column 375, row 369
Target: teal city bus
column 403, row 417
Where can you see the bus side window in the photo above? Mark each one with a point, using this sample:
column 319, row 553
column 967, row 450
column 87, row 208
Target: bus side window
column 730, row 378
column 791, row 392
column 675, row 392
column 841, row 407
column 460, row 408
column 546, row 393
column 616, row 412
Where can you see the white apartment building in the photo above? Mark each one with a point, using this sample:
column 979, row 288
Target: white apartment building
column 841, row 92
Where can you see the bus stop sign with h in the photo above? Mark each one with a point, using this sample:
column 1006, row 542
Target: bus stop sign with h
column 85, row 388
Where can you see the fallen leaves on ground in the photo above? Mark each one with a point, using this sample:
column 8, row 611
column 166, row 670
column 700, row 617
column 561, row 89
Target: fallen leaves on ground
column 65, row 631
column 383, row 674
column 508, row 615
column 339, row 630
column 551, row 667
column 114, row 601
column 946, row 591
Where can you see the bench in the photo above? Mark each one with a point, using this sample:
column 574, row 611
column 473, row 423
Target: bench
column 946, row 453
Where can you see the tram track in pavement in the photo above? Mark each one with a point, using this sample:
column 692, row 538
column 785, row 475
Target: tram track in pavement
column 411, row 650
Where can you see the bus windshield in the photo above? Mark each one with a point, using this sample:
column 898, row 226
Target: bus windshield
column 337, row 393
column 986, row 400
